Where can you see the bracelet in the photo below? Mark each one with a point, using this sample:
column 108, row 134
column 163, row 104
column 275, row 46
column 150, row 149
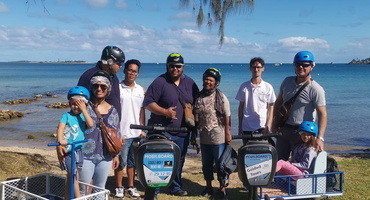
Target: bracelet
column 321, row 138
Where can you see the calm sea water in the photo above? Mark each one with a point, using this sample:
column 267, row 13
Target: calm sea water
column 347, row 88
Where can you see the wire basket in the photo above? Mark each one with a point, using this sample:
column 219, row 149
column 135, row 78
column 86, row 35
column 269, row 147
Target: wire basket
column 45, row 186
column 308, row 186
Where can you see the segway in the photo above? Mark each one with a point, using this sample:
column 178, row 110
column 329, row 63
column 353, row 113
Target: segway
column 157, row 159
column 72, row 173
column 256, row 161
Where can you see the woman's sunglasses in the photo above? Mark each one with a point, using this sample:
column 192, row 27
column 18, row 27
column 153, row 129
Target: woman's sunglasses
column 102, row 86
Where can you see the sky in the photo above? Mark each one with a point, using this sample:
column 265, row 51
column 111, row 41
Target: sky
column 149, row 30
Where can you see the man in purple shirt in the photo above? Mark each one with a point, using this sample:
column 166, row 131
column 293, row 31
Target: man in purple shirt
column 162, row 99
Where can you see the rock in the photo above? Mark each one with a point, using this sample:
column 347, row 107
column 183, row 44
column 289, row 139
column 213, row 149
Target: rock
column 19, row 101
column 38, row 96
column 10, row 114
column 31, row 137
column 48, row 94
column 58, row 105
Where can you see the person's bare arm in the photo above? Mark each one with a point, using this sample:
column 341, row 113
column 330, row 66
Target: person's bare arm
column 322, row 123
column 228, row 130
column 240, row 117
column 270, row 116
column 278, row 102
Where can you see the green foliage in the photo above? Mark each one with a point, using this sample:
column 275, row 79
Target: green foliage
column 218, row 11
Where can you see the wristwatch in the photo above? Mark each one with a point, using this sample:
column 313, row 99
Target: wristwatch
column 321, row 138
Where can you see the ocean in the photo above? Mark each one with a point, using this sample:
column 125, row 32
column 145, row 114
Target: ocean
column 347, row 93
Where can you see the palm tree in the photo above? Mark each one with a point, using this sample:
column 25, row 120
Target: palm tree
column 218, row 10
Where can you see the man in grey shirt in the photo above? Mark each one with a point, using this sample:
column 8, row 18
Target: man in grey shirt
column 310, row 105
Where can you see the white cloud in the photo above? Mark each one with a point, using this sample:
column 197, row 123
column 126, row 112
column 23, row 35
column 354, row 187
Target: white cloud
column 298, row 43
column 121, row 4
column 3, row 8
column 96, row 3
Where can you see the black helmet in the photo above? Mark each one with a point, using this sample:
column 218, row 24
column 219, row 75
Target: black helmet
column 114, row 53
column 213, row 72
column 175, row 57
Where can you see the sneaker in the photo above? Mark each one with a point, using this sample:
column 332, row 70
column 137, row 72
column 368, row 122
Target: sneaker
column 208, row 191
column 120, row 192
column 180, row 193
column 132, row 193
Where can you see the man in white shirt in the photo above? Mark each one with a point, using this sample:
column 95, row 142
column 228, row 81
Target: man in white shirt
column 131, row 100
column 256, row 101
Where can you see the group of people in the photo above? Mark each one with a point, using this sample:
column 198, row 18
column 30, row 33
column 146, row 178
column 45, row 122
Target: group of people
column 123, row 103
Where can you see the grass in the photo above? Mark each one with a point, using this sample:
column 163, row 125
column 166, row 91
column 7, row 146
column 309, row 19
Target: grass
column 355, row 167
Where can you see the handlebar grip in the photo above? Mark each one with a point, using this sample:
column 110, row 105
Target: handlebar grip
column 159, row 128
column 53, row 144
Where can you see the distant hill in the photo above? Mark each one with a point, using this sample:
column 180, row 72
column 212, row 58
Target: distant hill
column 360, row 62
column 67, row 61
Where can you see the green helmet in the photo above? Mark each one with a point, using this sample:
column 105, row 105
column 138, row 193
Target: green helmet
column 175, row 57
column 213, row 72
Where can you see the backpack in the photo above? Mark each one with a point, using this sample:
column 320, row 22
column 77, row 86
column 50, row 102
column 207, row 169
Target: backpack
column 331, row 179
column 227, row 164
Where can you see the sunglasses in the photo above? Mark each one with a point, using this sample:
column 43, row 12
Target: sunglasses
column 103, row 87
column 178, row 66
column 304, row 65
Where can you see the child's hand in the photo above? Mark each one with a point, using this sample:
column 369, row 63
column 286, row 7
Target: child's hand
column 81, row 104
column 61, row 151
column 63, row 143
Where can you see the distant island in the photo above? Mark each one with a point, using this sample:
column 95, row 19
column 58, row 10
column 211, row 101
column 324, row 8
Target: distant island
column 360, row 62
column 66, row 61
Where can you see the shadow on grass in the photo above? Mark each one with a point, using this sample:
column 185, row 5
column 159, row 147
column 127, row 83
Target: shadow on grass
column 193, row 188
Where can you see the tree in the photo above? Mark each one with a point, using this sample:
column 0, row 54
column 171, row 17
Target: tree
column 218, row 11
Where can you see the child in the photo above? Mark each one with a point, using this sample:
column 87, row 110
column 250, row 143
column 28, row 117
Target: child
column 303, row 154
column 71, row 128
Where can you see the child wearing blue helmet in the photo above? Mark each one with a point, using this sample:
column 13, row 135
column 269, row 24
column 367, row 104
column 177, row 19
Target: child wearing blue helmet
column 303, row 154
column 71, row 128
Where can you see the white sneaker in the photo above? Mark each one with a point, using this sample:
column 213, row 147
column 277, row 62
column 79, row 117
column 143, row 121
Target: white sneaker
column 120, row 192
column 132, row 193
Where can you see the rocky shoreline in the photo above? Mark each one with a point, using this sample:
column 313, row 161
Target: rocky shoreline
column 6, row 115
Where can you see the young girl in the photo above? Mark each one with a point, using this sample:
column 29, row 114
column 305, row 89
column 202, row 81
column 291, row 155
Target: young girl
column 71, row 128
column 303, row 154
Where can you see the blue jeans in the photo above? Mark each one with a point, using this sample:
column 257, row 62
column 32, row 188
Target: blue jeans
column 97, row 172
column 127, row 156
column 183, row 143
column 210, row 156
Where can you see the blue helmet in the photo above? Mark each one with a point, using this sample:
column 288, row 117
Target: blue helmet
column 309, row 127
column 304, row 56
column 78, row 90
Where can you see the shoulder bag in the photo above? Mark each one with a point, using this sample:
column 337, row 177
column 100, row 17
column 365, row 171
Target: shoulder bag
column 283, row 112
column 188, row 112
column 110, row 137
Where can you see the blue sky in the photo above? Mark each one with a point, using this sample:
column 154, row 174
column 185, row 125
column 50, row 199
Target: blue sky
column 148, row 30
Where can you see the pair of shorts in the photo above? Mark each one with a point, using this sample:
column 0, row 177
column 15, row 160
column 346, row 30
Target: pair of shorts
column 127, row 155
column 66, row 164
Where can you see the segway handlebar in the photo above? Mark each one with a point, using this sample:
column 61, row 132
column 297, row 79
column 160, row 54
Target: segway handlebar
column 256, row 136
column 159, row 128
column 70, row 143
